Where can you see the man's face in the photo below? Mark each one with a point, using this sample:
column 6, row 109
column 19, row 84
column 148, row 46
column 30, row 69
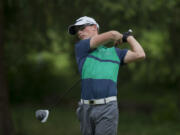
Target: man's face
column 86, row 31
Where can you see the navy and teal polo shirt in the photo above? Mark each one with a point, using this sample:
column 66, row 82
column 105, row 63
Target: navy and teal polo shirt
column 99, row 69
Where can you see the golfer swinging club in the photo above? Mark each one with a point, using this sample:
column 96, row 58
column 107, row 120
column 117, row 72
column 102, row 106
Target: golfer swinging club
column 98, row 66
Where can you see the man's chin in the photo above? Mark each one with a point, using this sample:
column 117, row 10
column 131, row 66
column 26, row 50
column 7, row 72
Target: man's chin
column 83, row 38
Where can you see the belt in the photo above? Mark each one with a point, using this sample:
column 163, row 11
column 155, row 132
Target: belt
column 99, row 101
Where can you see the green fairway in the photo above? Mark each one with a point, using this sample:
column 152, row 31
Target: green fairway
column 63, row 121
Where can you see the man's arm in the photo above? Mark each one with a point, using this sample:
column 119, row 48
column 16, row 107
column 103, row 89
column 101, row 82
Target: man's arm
column 104, row 38
column 136, row 52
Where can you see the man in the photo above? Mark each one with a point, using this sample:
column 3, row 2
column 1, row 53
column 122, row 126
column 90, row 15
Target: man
column 98, row 66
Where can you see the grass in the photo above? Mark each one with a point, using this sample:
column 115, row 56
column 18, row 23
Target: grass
column 63, row 121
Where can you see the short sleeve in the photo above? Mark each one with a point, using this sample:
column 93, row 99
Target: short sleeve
column 82, row 48
column 121, row 53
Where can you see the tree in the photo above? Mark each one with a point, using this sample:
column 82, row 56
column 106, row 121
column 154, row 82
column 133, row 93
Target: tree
column 5, row 117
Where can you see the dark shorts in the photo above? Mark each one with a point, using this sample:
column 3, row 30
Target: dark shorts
column 98, row 119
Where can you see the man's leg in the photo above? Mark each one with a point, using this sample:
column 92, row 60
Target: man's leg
column 86, row 124
column 107, row 119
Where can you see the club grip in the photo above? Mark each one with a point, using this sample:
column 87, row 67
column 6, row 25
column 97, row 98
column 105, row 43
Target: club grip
column 126, row 35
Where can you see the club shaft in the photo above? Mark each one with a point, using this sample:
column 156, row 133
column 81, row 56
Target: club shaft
column 65, row 93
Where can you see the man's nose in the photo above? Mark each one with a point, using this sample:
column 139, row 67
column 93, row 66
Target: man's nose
column 79, row 31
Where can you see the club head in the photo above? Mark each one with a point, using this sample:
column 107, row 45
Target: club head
column 42, row 115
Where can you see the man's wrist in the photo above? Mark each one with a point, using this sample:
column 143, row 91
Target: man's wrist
column 129, row 38
column 126, row 35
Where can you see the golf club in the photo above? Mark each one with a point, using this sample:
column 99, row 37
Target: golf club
column 42, row 114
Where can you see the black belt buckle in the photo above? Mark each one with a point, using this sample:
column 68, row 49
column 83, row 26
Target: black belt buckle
column 91, row 102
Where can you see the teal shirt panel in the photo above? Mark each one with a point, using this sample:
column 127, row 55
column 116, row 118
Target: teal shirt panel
column 103, row 63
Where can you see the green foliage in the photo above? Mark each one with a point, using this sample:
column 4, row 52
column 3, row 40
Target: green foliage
column 154, row 69
column 39, row 53
column 155, row 43
column 40, row 63
column 166, row 110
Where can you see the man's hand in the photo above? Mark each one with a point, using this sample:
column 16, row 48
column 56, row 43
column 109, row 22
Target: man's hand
column 117, row 38
column 126, row 35
column 118, row 42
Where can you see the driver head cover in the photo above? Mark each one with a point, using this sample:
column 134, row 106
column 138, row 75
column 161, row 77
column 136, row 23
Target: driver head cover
column 82, row 21
column 42, row 115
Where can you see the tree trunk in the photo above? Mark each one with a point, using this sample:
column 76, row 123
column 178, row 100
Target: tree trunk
column 174, row 31
column 6, row 127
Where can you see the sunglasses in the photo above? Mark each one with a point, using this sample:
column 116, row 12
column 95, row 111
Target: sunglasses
column 82, row 27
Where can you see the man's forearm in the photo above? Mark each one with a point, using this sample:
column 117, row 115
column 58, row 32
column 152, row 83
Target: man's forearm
column 104, row 38
column 136, row 47
column 136, row 52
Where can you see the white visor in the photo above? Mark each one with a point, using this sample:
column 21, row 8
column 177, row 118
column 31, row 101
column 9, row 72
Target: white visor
column 81, row 21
